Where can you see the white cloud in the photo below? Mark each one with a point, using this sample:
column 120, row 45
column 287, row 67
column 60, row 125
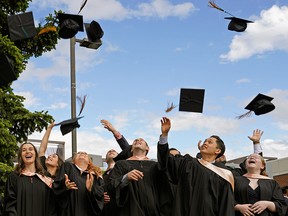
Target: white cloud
column 164, row 8
column 244, row 80
column 269, row 32
column 281, row 103
column 115, row 10
column 185, row 121
column 60, row 105
column 173, row 92
column 273, row 148
column 30, row 99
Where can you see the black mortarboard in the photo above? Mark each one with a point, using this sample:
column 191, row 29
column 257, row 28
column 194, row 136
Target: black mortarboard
column 69, row 125
column 7, row 73
column 237, row 24
column 69, row 25
column 124, row 154
column 94, row 31
column 191, row 100
column 260, row 105
column 21, row 26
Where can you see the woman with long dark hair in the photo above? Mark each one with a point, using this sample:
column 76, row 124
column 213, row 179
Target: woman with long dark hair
column 28, row 191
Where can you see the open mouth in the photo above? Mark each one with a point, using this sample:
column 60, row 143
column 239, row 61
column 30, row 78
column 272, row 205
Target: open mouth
column 252, row 161
column 28, row 156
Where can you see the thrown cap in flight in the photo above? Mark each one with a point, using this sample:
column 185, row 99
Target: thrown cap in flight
column 7, row 74
column 68, row 125
column 69, row 25
column 21, row 26
column 237, row 24
column 191, row 100
column 260, row 105
column 94, row 31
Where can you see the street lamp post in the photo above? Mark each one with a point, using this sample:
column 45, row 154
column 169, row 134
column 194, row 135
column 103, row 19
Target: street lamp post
column 84, row 43
column 73, row 92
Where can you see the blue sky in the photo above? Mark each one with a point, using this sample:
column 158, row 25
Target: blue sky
column 152, row 49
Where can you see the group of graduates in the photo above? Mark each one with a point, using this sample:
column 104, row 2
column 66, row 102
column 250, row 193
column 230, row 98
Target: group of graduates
column 134, row 185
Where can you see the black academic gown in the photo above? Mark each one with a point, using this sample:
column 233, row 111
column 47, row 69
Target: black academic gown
column 200, row 191
column 28, row 196
column 78, row 202
column 269, row 190
column 110, row 209
column 137, row 198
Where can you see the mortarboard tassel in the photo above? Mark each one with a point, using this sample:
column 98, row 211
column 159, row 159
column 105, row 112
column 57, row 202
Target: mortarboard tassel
column 83, row 5
column 247, row 114
column 82, row 102
column 47, row 29
column 212, row 4
column 170, row 107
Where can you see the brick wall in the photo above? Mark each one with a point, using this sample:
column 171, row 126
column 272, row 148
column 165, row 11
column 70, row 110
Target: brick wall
column 282, row 180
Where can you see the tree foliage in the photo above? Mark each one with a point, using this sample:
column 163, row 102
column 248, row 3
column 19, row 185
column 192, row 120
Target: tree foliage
column 17, row 122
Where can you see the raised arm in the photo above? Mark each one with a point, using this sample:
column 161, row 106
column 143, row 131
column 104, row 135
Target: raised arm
column 45, row 139
column 123, row 143
column 256, row 138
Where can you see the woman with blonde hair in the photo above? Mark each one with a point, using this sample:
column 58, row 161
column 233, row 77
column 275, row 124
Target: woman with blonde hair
column 79, row 187
column 255, row 193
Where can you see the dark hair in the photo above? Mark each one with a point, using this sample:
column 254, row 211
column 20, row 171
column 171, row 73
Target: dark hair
column 220, row 145
column 171, row 149
column 60, row 162
column 20, row 166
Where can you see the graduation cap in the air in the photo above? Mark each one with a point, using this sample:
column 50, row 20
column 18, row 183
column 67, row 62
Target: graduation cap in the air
column 68, row 125
column 69, row 25
column 191, row 100
column 7, row 73
column 260, row 105
column 237, row 24
column 21, row 26
column 93, row 31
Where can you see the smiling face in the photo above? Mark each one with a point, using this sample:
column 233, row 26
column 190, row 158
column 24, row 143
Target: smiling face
column 81, row 157
column 140, row 144
column 28, row 154
column 111, row 154
column 210, row 147
column 52, row 160
column 255, row 162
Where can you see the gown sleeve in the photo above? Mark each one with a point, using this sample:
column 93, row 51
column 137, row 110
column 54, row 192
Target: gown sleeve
column 10, row 199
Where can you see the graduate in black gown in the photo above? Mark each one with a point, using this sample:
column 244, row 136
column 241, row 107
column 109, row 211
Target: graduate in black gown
column 255, row 193
column 28, row 191
column 53, row 162
column 137, row 182
column 110, row 207
column 79, row 187
column 203, row 189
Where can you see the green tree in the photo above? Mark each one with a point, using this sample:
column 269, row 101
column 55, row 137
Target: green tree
column 17, row 122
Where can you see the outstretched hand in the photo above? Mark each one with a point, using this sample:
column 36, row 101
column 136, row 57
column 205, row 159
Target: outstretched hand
column 256, row 136
column 165, row 126
column 89, row 181
column 70, row 185
column 107, row 125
